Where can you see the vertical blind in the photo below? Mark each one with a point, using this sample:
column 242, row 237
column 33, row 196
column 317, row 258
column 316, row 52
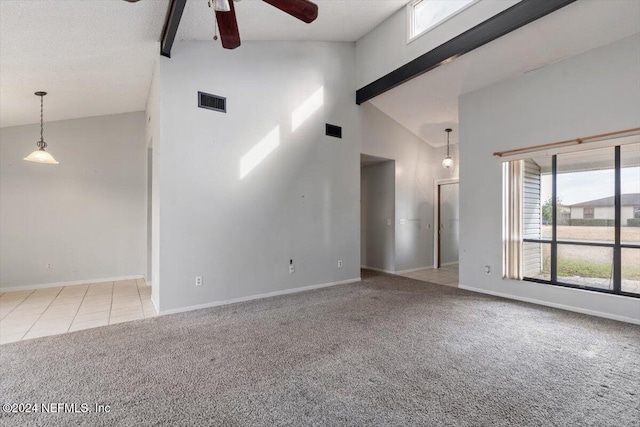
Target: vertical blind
column 512, row 219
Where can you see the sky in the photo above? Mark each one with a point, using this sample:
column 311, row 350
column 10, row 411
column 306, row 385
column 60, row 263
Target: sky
column 576, row 187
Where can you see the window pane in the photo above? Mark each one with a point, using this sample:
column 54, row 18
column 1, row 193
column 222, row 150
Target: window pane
column 536, row 260
column 586, row 189
column 630, row 189
column 546, row 202
column 429, row 13
column 588, row 266
column 631, row 270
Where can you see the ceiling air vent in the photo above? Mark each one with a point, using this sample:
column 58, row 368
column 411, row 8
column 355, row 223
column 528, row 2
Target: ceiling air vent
column 212, row 102
column 333, row 130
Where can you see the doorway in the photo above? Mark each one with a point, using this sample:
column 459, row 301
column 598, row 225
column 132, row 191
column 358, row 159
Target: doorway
column 447, row 216
column 377, row 213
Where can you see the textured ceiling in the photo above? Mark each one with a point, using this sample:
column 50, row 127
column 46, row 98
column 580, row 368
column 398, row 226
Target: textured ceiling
column 96, row 57
column 428, row 104
column 338, row 20
column 93, row 57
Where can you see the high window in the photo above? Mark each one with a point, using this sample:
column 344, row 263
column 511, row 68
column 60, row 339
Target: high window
column 427, row 14
column 570, row 219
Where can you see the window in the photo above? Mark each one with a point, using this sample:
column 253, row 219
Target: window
column 587, row 213
column 427, row 14
column 636, row 212
column 570, row 219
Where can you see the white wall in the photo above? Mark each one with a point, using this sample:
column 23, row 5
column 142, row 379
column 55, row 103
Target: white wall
column 85, row 216
column 577, row 213
column 417, row 166
column 153, row 138
column 385, row 48
column 593, row 93
column 377, row 216
column 626, row 213
column 300, row 202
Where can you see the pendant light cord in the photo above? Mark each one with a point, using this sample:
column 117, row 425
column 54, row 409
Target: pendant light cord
column 42, row 119
column 41, row 144
column 448, row 133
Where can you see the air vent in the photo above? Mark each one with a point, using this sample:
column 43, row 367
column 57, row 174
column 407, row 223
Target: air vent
column 333, row 130
column 212, row 102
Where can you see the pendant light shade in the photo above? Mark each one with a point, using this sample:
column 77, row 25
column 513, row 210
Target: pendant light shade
column 41, row 155
column 448, row 161
column 221, row 5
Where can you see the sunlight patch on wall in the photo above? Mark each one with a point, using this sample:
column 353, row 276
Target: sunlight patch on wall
column 307, row 108
column 259, row 152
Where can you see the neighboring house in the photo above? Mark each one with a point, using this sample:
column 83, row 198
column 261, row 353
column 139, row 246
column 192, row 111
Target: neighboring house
column 604, row 208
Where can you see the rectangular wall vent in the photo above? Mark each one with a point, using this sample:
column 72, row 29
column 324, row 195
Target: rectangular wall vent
column 333, row 130
column 212, row 102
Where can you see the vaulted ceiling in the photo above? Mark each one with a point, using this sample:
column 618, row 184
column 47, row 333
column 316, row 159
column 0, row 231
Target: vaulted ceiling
column 428, row 104
column 93, row 57
column 338, row 20
column 97, row 57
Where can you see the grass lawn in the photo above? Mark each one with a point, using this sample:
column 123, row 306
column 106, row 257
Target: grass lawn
column 583, row 268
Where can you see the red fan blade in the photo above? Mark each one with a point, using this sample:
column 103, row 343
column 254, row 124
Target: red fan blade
column 304, row 10
column 229, row 33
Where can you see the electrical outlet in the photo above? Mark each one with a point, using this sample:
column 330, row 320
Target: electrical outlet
column 198, row 280
column 339, row 263
column 487, row 269
column 291, row 269
column 49, row 266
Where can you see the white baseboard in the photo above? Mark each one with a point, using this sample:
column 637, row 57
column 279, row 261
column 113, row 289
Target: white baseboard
column 154, row 301
column 552, row 304
column 413, row 270
column 69, row 283
column 377, row 269
column 254, row 297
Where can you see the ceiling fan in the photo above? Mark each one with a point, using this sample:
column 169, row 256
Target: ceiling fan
column 304, row 10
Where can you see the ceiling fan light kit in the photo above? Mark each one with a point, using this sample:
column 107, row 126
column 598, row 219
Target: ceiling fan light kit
column 221, row 5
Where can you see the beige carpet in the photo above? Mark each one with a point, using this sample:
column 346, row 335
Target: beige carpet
column 389, row 351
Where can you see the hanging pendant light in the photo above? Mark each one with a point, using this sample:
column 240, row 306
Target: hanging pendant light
column 41, row 155
column 448, row 161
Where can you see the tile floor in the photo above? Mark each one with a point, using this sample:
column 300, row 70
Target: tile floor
column 42, row 312
column 447, row 275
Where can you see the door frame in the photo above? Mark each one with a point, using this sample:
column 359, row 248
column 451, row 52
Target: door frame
column 436, row 215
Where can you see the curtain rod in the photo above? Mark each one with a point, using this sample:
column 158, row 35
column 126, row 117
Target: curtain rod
column 561, row 143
